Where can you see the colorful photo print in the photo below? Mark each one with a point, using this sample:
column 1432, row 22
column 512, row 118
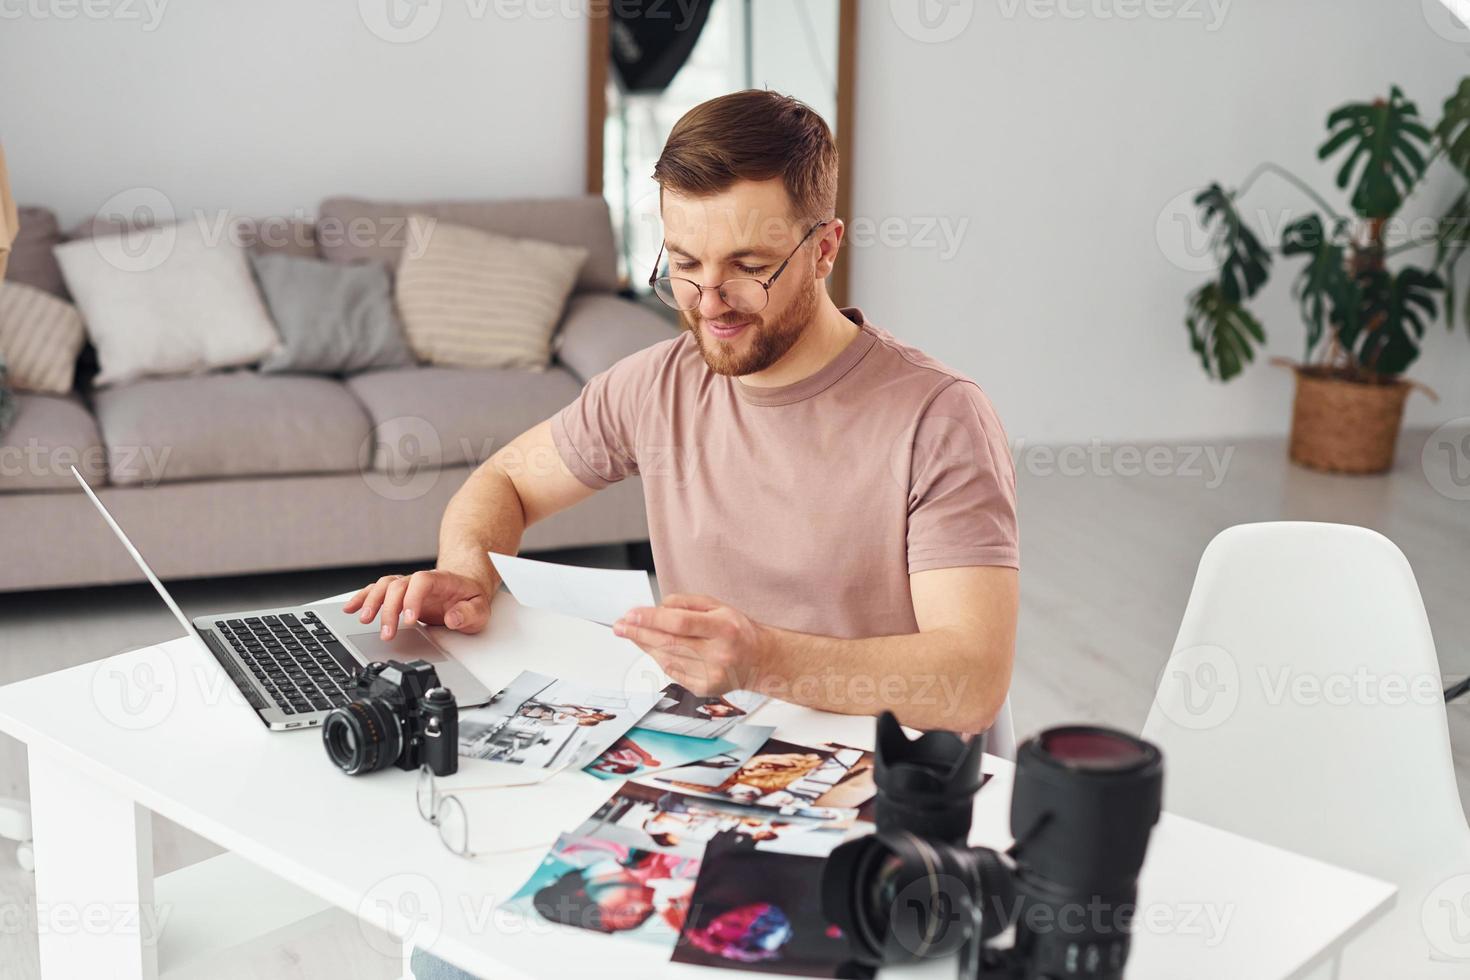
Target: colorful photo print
column 786, row 775
column 610, row 888
column 761, row 911
column 650, row 817
column 539, row 722
column 746, row 741
column 643, row 751
column 679, row 711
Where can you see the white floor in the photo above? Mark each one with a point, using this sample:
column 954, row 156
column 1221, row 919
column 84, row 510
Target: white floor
column 1108, row 556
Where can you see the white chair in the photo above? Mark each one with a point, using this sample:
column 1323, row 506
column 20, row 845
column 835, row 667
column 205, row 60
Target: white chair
column 1000, row 738
column 1302, row 707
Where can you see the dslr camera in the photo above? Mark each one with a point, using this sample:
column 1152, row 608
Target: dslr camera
column 399, row 715
column 1084, row 803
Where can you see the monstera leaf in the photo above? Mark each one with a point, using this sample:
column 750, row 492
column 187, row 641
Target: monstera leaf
column 1244, row 262
column 1324, row 284
column 1384, row 330
column 1450, row 246
column 1453, row 131
column 1388, row 141
column 1221, row 332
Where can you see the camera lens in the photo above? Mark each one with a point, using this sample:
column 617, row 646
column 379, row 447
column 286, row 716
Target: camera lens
column 362, row 736
column 1096, row 750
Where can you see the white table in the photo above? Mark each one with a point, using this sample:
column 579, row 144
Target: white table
column 161, row 729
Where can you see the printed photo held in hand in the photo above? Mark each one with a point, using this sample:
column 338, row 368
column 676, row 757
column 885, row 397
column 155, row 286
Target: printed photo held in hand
column 679, row 711
column 610, row 888
column 761, row 911
column 786, row 775
column 539, row 722
column 658, row 819
column 643, row 751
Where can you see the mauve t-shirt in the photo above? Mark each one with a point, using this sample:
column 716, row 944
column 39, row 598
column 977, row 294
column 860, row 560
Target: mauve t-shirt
column 806, row 506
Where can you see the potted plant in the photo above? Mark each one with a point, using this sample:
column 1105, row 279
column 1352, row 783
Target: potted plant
column 1365, row 315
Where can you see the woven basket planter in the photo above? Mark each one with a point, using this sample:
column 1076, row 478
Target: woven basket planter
column 1345, row 426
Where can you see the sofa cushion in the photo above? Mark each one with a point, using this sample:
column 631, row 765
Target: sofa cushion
column 50, row 435
column 352, row 230
column 237, row 423
column 31, row 261
column 599, row 330
column 439, row 416
column 40, row 337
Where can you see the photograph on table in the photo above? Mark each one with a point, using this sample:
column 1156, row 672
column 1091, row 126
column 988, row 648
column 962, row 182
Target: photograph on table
column 746, row 740
column 608, row 887
column 539, row 722
column 652, row 818
column 785, row 775
column 762, row 911
column 680, row 711
column 643, row 751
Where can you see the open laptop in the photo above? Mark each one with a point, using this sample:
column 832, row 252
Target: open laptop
column 295, row 663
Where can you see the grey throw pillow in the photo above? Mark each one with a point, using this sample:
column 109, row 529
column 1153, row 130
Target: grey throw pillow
column 332, row 318
column 7, row 399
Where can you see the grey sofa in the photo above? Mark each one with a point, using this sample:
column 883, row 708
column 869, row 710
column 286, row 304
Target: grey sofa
column 237, row 472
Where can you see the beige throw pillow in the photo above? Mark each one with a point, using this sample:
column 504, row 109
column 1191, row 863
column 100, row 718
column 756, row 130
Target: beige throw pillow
column 471, row 298
column 40, row 338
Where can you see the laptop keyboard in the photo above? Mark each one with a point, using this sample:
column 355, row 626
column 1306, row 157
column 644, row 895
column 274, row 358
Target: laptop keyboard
column 298, row 661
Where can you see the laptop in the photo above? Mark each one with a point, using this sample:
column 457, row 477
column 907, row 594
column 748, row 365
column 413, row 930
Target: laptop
column 294, row 664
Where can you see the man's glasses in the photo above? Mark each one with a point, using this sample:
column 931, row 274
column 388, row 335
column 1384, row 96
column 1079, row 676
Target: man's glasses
column 446, row 811
column 743, row 295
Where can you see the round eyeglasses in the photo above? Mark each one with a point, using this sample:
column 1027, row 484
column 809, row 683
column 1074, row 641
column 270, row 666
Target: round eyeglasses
column 446, row 812
column 742, row 294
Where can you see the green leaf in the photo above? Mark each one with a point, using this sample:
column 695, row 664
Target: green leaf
column 1453, row 130
column 1221, row 332
column 1388, row 144
column 1391, row 316
column 1244, row 262
column 1451, row 244
column 1324, row 283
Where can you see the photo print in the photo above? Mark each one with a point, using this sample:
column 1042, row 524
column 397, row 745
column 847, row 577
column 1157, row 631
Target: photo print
column 707, row 773
column 762, row 911
column 679, row 711
column 643, row 751
column 610, row 888
column 786, row 776
column 539, row 722
column 650, row 817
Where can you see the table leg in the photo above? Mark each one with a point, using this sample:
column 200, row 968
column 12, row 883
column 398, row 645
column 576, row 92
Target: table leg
column 94, row 877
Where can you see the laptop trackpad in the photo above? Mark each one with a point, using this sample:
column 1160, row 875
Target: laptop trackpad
column 409, row 644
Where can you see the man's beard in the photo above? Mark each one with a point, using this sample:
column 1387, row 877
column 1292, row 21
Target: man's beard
column 768, row 342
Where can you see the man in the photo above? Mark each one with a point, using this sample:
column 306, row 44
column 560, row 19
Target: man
column 831, row 512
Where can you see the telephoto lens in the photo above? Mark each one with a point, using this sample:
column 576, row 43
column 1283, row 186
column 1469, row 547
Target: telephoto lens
column 1084, row 803
column 926, row 786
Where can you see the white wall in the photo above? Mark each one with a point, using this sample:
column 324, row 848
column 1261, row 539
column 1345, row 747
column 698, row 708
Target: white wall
column 268, row 106
column 1062, row 140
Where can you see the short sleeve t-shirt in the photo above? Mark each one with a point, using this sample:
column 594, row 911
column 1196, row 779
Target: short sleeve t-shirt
column 806, row 506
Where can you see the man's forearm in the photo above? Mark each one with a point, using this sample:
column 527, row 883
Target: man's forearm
column 484, row 515
column 941, row 678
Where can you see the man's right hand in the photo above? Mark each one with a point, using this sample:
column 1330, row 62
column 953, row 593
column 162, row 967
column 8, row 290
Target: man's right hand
column 457, row 601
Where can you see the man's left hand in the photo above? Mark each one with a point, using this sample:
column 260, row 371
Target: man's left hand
column 700, row 642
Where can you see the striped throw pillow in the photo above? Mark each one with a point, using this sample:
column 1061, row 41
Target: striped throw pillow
column 40, row 338
column 471, row 298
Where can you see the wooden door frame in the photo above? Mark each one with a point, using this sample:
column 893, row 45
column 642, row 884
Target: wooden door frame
column 847, row 25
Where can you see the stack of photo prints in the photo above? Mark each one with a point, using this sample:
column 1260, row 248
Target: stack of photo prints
column 711, row 846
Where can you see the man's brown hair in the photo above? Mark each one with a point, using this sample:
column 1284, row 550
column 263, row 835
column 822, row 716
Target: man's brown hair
column 753, row 135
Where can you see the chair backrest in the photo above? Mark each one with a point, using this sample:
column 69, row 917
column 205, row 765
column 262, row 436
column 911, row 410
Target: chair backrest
column 1000, row 738
column 1302, row 706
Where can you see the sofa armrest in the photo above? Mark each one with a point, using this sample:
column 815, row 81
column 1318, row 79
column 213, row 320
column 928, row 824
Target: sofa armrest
column 601, row 329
